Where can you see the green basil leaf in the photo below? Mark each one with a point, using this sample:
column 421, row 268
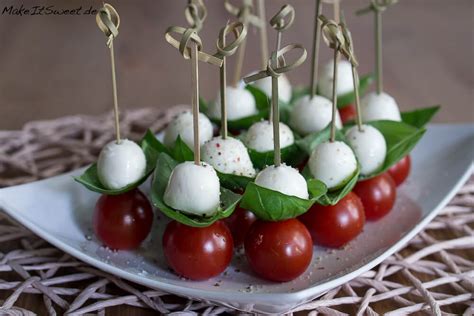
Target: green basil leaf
column 261, row 99
column 270, row 205
column 151, row 148
column 233, row 182
column 419, row 117
column 181, row 151
column 401, row 138
column 291, row 155
column 166, row 164
column 311, row 141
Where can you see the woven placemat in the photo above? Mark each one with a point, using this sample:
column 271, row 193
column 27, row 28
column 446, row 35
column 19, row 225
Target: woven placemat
column 433, row 274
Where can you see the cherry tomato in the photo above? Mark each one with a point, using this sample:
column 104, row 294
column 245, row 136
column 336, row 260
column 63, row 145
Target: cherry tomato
column 335, row 225
column 377, row 194
column 347, row 113
column 302, row 165
column 279, row 251
column 198, row 253
column 239, row 223
column 123, row 221
column 400, row 170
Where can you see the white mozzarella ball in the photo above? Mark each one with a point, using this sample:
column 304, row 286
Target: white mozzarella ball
column 284, row 87
column 193, row 189
column 284, row 179
column 228, row 156
column 344, row 79
column 260, row 136
column 182, row 125
column 312, row 115
column 239, row 102
column 120, row 164
column 332, row 163
column 381, row 106
column 369, row 147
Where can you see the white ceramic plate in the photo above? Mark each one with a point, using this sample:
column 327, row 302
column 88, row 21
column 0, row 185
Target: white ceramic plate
column 59, row 210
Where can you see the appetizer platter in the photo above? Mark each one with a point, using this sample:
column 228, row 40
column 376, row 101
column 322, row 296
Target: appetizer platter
column 267, row 196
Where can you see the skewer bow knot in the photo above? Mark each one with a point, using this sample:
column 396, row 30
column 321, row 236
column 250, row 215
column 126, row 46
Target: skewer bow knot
column 283, row 19
column 108, row 21
column 239, row 31
column 348, row 48
column 275, row 69
column 189, row 36
column 195, row 13
column 377, row 6
column 332, row 34
column 244, row 13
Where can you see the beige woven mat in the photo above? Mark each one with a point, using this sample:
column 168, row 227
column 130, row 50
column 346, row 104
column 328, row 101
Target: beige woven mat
column 434, row 274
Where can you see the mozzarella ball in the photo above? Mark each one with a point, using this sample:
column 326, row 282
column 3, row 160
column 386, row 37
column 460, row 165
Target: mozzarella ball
column 239, row 102
column 193, row 189
column 120, row 164
column 259, row 137
column 284, row 179
column 332, row 163
column 381, row 106
column 182, row 125
column 369, row 147
column 312, row 115
column 284, row 87
column 228, row 156
column 344, row 79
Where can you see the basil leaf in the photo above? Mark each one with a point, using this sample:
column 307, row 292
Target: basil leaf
column 311, row 141
column 233, row 182
column 291, row 155
column 270, row 205
column 261, row 99
column 401, row 138
column 181, row 151
column 151, row 148
column 419, row 117
column 166, row 164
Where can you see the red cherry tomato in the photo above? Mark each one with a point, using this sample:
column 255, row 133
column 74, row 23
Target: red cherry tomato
column 198, row 253
column 123, row 221
column 336, row 225
column 279, row 251
column 347, row 113
column 400, row 170
column 377, row 194
column 239, row 223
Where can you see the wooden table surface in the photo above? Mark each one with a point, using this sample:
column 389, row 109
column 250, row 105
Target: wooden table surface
column 51, row 66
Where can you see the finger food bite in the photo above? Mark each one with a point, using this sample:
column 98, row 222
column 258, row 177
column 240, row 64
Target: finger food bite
column 333, row 163
column 284, row 179
column 344, row 79
column 379, row 106
column 193, row 189
column 284, row 87
column 239, row 103
column 182, row 126
column 259, row 137
column 312, row 115
column 228, row 156
column 120, row 164
column 369, row 147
